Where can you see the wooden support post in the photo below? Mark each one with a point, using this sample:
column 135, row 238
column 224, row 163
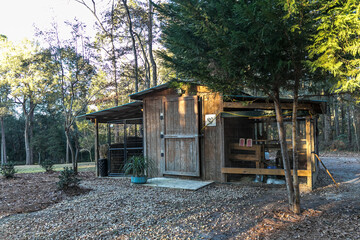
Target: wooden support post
column 308, row 153
column 327, row 170
column 96, row 146
column 109, row 144
column 108, row 134
column 125, row 142
column 144, row 129
column 314, row 168
column 162, row 139
column 222, row 149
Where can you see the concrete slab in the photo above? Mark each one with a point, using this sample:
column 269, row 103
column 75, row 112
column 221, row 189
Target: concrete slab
column 177, row 183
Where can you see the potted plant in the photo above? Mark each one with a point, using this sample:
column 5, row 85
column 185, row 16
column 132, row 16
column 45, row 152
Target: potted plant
column 138, row 167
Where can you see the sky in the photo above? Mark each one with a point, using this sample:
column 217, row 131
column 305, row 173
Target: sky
column 18, row 17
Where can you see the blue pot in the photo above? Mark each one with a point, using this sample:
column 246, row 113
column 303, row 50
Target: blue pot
column 139, row 180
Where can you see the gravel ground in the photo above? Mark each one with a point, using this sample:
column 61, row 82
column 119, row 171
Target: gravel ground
column 116, row 209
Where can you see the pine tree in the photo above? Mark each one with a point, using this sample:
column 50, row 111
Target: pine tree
column 336, row 44
column 229, row 45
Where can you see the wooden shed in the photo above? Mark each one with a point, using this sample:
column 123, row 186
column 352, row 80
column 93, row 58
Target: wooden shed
column 194, row 133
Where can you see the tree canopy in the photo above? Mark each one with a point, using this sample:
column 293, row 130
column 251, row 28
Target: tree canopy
column 235, row 44
column 336, row 44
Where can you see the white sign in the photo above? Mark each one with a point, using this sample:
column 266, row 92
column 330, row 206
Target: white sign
column 210, row 120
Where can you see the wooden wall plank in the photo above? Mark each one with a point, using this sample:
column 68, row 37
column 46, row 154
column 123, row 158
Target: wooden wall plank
column 212, row 140
column 153, row 108
column 145, row 127
column 314, row 167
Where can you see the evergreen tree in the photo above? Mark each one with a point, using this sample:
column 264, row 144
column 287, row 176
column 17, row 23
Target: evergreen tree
column 336, row 44
column 229, row 45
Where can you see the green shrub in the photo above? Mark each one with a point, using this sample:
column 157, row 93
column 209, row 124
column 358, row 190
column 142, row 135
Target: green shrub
column 8, row 170
column 67, row 179
column 47, row 165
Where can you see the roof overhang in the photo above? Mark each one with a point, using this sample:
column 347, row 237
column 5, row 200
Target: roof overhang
column 255, row 102
column 140, row 95
column 131, row 112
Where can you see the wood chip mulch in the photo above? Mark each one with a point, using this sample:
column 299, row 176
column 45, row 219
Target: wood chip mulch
column 32, row 208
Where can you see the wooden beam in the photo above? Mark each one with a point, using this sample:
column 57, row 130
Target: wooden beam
column 309, row 167
column 96, row 146
column 268, row 106
column 222, row 148
column 244, row 157
column 263, row 171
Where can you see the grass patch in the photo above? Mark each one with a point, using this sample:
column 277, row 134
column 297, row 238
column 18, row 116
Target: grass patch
column 82, row 167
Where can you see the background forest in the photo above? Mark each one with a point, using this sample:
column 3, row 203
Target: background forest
column 48, row 83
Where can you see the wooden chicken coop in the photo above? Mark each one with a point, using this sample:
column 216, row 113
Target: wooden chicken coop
column 194, row 133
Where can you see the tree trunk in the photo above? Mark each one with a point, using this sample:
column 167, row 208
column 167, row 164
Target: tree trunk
column 27, row 141
column 343, row 119
column 77, row 148
column 114, row 57
column 72, row 153
column 31, row 129
column 67, row 151
column 147, row 64
column 150, row 36
column 323, row 121
column 3, row 142
column 296, row 206
column 355, row 129
column 284, row 149
column 349, row 126
column 75, row 162
column 133, row 45
column 327, row 127
column 336, row 117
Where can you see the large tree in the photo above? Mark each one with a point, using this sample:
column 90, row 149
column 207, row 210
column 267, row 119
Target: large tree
column 4, row 102
column 25, row 68
column 336, row 44
column 335, row 49
column 230, row 45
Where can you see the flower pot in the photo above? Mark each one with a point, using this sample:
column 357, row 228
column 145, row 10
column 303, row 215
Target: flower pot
column 138, row 180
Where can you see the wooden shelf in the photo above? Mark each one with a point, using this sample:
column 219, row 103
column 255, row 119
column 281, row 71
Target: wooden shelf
column 263, row 171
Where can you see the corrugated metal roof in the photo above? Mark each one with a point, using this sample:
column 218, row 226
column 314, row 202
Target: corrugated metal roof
column 140, row 95
column 131, row 110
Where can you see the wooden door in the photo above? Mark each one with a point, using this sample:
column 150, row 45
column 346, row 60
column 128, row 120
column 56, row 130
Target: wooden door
column 179, row 137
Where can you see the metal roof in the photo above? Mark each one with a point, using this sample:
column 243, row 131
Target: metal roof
column 129, row 111
column 140, row 95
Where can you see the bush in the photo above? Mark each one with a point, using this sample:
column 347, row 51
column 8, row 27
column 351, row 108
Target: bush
column 338, row 145
column 67, row 179
column 8, row 170
column 47, row 165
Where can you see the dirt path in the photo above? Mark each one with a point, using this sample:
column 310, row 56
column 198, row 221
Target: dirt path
column 115, row 209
